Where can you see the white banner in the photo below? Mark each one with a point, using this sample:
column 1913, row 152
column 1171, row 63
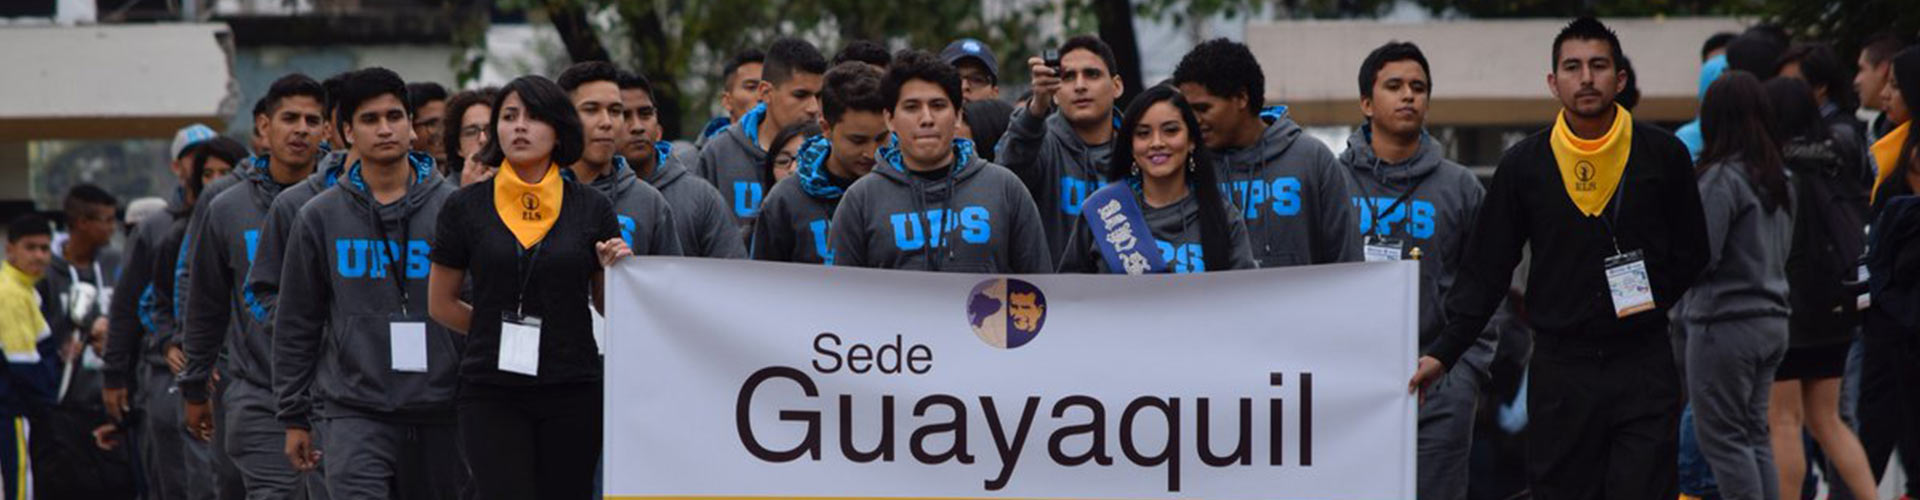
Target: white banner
column 755, row 380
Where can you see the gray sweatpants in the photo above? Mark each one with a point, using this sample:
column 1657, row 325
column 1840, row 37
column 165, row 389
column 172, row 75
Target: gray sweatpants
column 256, row 441
column 365, row 458
column 1730, row 367
column 1445, row 433
column 177, row 465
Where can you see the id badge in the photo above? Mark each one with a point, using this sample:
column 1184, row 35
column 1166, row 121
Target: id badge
column 1632, row 289
column 1384, row 249
column 407, row 344
column 84, row 294
column 1865, row 299
column 520, row 344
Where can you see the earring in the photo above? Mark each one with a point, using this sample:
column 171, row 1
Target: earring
column 1189, row 161
column 1136, row 170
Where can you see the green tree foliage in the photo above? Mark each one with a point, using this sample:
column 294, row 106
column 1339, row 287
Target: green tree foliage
column 682, row 45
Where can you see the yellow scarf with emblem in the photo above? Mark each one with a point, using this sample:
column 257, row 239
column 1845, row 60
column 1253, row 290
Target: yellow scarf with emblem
column 1591, row 169
column 21, row 324
column 529, row 209
column 1886, row 155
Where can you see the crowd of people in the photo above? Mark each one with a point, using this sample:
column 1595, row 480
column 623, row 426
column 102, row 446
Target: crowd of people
column 396, row 292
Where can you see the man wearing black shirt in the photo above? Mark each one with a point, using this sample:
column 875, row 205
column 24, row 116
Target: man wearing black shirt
column 1615, row 240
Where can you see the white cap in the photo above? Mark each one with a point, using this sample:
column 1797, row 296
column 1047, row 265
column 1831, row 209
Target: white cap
column 142, row 208
column 189, row 136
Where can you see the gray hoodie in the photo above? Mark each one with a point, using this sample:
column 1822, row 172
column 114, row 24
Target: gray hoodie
column 1435, row 219
column 134, row 326
column 646, row 221
column 987, row 222
column 794, row 220
column 263, row 279
column 1746, row 273
column 703, row 224
column 1176, row 230
column 732, row 163
column 343, row 293
column 1293, row 194
column 227, row 237
column 133, row 335
column 1057, row 167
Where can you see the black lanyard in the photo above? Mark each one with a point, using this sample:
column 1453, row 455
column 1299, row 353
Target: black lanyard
column 393, row 252
column 1379, row 216
column 920, row 205
column 527, row 259
column 1612, row 220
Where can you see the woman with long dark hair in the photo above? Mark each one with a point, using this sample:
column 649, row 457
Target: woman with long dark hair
column 1161, row 159
column 1735, row 316
column 1889, row 368
column 1830, row 209
column 535, row 245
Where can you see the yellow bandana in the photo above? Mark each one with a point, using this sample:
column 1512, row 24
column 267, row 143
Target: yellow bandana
column 528, row 209
column 1886, row 155
column 21, row 324
column 1591, row 169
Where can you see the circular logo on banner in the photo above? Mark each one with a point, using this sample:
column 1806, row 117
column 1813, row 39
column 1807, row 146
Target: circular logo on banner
column 529, row 202
column 1006, row 313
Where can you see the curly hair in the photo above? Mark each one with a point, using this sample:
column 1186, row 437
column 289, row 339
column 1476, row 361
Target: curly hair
column 1226, row 68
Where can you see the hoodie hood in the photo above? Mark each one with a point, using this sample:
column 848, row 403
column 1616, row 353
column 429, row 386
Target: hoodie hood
column 619, row 179
column 417, row 193
column 260, row 177
column 1361, row 158
column 714, row 126
column 964, row 164
column 749, row 127
column 640, row 208
column 328, row 171
column 1280, row 134
column 1689, row 132
column 1062, row 130
column 1710, row 71
column 816, row 180
column 667, row 172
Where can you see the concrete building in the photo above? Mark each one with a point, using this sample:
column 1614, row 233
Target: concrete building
column 1489, row 76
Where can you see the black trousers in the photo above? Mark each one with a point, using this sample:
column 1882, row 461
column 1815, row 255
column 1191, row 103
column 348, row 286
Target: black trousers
column 531, row 442
column 1889, row 408
column 1603, row 418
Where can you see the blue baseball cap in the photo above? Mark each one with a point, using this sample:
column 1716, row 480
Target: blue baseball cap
column 970, row 48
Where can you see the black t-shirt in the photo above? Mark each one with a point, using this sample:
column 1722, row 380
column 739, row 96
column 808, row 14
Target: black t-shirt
column 470, row 236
